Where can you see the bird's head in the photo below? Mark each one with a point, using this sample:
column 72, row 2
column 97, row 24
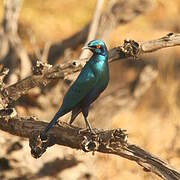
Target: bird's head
column 97, row 47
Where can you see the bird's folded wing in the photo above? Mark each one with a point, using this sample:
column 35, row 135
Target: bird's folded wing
column 79, row 89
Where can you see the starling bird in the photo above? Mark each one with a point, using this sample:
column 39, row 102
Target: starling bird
column 90, row 83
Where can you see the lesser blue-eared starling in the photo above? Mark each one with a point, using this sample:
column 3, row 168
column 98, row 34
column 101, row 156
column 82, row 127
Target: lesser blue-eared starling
column 90, row 83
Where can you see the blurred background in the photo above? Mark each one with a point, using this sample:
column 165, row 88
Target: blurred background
column 142, row 97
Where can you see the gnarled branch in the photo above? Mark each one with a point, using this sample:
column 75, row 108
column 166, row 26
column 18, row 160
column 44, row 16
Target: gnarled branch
column 46, row 74
column 109, row 141
column 132, row 48
column 105, row 141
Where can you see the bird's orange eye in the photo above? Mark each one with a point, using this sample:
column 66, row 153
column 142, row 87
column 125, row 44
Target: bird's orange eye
column 98, row 46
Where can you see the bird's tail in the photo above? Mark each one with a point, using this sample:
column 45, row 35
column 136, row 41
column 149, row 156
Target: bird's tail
column 52, row 123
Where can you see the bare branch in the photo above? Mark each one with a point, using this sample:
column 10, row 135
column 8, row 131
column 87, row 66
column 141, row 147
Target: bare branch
column 95, row 20
column 11, row 15
column 111, row 141
column 10, row 39
column 169, row 40
column 44, row 74
column 45, row 52
column 131, row 48
column 9, row 24
column 93, row 27
column 105, row 141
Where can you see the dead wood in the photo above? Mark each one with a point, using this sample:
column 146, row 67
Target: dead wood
column 44, row 73
column 105, row 141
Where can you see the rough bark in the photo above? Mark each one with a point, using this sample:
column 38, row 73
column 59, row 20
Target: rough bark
column 105, row 141
column 44, row 73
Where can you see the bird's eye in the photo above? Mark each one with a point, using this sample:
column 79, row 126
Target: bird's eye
column 98, row 46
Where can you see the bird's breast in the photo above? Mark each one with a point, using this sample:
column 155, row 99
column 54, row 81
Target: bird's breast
column 100, row 66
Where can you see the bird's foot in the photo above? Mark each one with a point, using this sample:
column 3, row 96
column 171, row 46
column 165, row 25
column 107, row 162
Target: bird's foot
column 87, row 130
column 83, row 130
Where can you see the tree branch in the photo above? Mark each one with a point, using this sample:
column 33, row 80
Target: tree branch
column 109, row 141
column 11, row 46
column 93, row 27
column 105, row 141
column 44, row 74
column 131, row 48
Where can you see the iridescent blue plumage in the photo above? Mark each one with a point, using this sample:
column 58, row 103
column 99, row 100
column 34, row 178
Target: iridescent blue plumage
column 91, row 82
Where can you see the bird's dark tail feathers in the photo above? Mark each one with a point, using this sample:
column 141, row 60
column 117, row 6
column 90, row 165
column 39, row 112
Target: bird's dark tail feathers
column 52, row 123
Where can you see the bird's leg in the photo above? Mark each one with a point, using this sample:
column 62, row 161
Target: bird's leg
column 88, row 126
column 85, row 112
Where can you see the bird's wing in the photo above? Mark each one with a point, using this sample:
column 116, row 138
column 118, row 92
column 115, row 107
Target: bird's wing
column 79, row 89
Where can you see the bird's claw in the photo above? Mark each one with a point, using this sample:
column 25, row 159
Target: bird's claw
column 83, row 130
column 87, row 130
